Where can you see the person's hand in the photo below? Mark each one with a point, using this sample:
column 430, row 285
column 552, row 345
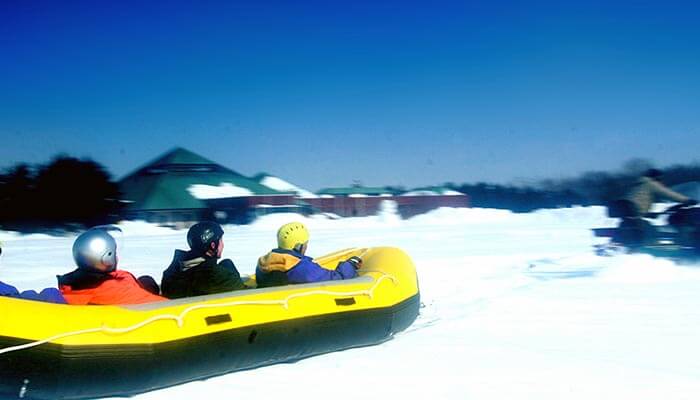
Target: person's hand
column 355, row 261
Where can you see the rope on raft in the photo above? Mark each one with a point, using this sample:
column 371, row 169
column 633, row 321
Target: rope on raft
column 180, row 318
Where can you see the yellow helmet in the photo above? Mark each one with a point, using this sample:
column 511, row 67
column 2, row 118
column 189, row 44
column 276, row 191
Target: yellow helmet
column 292, row 236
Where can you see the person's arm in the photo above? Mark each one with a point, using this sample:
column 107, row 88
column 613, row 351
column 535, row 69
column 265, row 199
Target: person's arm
column 663, row 191
column 49, row 295
column 309, row 271
column 347, row 269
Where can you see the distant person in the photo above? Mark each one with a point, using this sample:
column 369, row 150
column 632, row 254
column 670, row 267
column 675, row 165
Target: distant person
column 50, row 295
column 97, row 279
column 197, row 272
column 649, row 189
column 288, row 263
column 634, row 230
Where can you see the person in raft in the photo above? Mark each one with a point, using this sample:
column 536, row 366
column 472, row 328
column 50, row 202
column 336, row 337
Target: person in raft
column 97, row 279
column 51, row 295
column 196, row 272
column 289, row 264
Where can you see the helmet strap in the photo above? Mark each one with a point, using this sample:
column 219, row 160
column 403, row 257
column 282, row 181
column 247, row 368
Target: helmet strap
column 300, row 248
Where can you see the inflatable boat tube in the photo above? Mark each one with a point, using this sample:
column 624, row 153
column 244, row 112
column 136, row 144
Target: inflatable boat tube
column 53, row 351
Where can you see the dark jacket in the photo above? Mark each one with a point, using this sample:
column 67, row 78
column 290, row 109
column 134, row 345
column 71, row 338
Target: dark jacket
column 281, row 267
column 191, row 275
column 95, row 287
column 51, row 295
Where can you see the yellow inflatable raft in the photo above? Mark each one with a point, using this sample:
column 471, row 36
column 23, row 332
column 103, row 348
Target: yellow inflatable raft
column 51, row 351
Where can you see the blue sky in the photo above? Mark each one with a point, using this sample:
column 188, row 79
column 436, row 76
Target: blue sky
column 323, row 93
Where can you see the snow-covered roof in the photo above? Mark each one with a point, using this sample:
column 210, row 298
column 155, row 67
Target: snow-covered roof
column 281, row 185
column 433, row 191
column 224, row 190
column 420, row 193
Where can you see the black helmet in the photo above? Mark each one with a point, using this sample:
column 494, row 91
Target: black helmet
column 201, row 235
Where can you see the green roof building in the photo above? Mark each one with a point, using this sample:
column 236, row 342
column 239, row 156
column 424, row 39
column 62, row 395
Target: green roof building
column 180, row 186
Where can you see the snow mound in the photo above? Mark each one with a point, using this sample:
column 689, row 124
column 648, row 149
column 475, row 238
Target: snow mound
column 588, row 217
column 274, row 221
column 457, row 216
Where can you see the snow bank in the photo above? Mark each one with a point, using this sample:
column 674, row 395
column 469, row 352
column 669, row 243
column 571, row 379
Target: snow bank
column 514, row 298
column 579, row 216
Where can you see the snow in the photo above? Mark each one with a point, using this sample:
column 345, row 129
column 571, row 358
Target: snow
column 421, row 193
column 437, row 192
column 276, row 183
column 516, row 306
column 224, row 190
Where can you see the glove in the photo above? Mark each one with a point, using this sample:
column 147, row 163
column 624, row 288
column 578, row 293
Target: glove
column 691, row 202
column 355, row 261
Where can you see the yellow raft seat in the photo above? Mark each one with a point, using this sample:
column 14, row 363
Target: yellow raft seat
column 54, row 351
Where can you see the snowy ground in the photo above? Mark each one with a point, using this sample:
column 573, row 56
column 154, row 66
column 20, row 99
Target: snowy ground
column 515, row 307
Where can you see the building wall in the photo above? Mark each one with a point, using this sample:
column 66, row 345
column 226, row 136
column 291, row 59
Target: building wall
column 177, row 217
column 242, row 210
column 408, row 206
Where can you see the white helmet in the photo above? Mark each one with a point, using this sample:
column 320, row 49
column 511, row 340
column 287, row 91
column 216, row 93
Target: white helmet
column 96, row 249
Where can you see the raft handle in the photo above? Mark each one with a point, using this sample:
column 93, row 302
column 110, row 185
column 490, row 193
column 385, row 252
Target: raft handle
column 348, row 301
column 252, row 336
column 218, row 319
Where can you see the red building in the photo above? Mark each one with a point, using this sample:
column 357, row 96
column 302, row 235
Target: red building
column 359, row 201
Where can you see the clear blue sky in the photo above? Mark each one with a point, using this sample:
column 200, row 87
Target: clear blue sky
column 322, row 93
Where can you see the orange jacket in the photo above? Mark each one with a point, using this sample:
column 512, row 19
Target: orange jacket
column 120, row 287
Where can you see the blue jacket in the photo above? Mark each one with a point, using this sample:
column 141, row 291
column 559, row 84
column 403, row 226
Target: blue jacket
column 51, row 295
column 281, row 267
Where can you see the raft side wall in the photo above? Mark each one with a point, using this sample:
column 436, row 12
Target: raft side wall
column 76, row 372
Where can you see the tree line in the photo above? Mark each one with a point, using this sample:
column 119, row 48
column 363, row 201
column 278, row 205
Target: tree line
column 66, row 193
column 589, row 188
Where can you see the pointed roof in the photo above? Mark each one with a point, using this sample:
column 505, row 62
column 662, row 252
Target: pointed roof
column 173, row 180
column 180, row 159
column 181, row 156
